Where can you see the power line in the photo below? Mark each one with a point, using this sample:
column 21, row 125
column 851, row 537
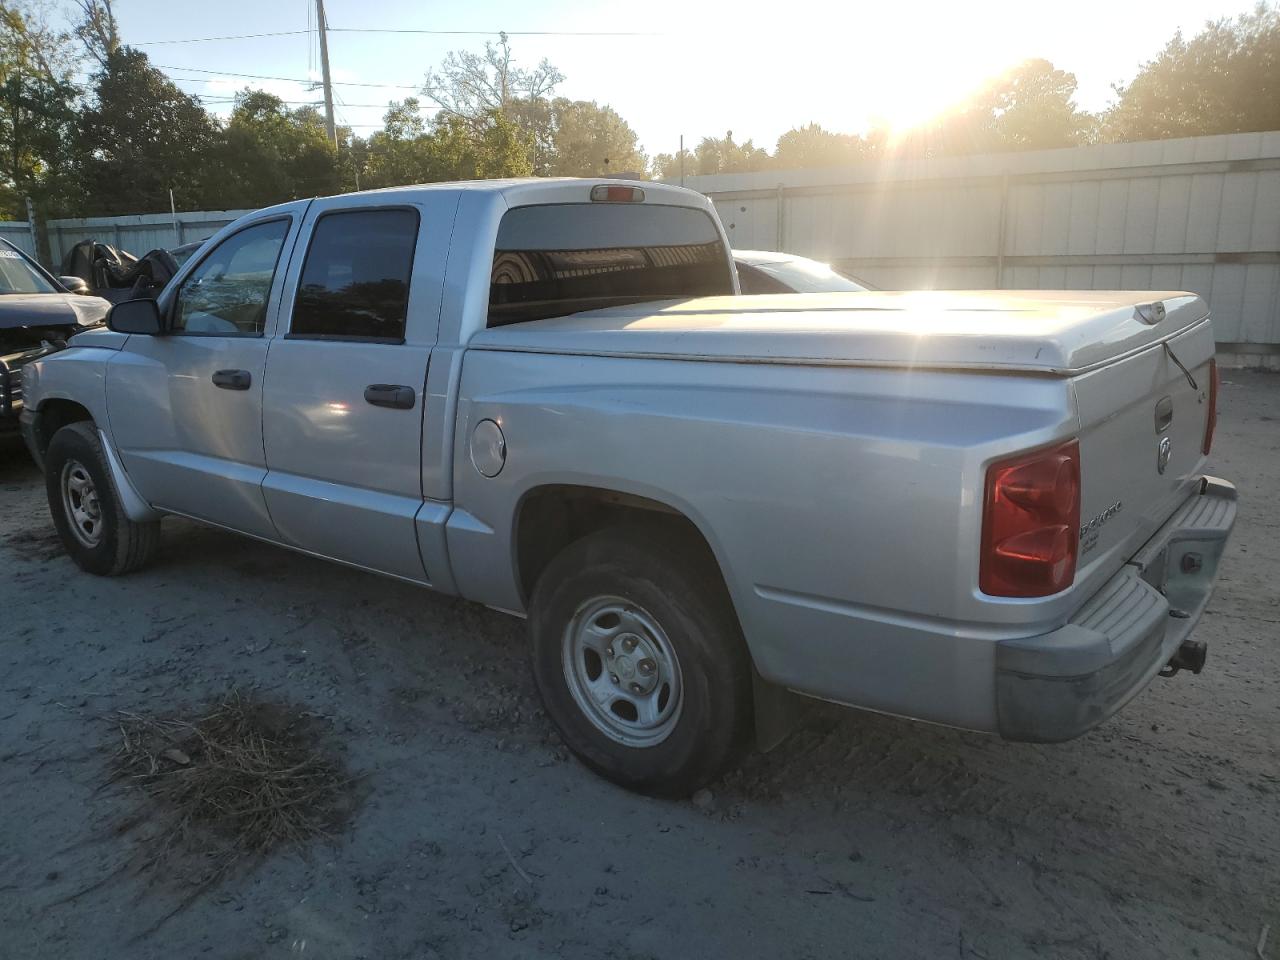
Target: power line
column 236, row 36
column 494, row 33
column 259, row 76
column 306, row 103
column 409, row 30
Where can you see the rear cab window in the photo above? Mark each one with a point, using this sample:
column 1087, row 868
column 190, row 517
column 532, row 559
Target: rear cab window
column 556, row 259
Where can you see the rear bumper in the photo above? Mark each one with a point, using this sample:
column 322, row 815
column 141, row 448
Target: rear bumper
column 1056, row 686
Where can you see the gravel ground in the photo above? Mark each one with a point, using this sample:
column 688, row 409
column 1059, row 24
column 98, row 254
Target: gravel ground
column 476, row 836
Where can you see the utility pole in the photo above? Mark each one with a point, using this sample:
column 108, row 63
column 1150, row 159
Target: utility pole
column 322, row 25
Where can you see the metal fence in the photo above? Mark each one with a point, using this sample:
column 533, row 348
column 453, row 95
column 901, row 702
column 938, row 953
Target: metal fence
column 137, row 234
column 1199, row 214
column 18, row 232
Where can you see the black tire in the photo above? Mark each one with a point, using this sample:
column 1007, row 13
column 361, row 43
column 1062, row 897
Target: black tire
column 675, row 582
column 120, row 545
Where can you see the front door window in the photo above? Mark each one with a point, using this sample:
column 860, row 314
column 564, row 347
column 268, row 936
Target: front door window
column 227, row 293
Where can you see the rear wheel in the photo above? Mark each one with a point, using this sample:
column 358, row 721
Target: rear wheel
column 86, row 510
column 640, row 661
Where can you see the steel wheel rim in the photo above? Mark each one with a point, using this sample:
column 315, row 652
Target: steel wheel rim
column 622, row 672
column 80, row 503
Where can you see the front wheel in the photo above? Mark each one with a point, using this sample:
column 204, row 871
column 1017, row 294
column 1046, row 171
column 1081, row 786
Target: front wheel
column 640, row 660
column 86, row 510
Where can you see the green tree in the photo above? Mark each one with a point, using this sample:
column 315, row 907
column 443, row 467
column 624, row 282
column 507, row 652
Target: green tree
column 589, row 140
column 401, row 152
column 667, row 166
column 562, row 137
column 98, row 30
column 269, row 154
column 812, row 146
column 471, row 88
column 1032, row 107
column 407, row 151
column 38, row 112
column 1225, row 79
column 715, row 155
column 141, row 136
column 499, row 149
column 1029, row 107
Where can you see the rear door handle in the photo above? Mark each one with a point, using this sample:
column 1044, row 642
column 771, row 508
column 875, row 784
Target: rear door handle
column 390, row 395
column 232, row 379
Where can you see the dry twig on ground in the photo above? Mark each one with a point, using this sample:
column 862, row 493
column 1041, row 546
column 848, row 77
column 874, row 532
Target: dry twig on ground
column 241, row 780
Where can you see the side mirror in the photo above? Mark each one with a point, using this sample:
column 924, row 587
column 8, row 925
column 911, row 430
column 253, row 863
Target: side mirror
column 75, row 285
column 135, row 316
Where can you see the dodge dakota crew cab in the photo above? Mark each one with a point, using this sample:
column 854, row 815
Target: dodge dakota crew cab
column 979, row 509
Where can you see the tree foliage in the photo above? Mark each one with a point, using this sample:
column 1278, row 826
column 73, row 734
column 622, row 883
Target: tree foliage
column 37, row 110
column 1225, row 79
column 269, row 153
column 407, row 150
column 812, row 146
column 671, row 166
column 723, row 155
column 1029, row 107
column 588, row 140
column 471, row 87
column 98, row 30
column 121, row 142
column 486, row 92
column 140, row 137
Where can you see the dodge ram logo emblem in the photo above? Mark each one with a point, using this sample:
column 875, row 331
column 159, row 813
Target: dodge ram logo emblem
column 1163, row 453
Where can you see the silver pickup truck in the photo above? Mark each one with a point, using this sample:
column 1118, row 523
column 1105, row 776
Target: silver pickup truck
column 978, row 509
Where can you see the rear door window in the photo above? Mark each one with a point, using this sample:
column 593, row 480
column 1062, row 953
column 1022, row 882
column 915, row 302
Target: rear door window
column 558, row 259
column 355, row 281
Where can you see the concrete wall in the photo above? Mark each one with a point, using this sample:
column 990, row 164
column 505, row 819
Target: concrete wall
column 1200, row 214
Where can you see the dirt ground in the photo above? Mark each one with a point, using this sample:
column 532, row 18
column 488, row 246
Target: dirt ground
column 1156, row 835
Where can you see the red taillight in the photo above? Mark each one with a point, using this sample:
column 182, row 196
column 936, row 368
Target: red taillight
column 1031, row 523
column 1211, row 419
column 611, row 193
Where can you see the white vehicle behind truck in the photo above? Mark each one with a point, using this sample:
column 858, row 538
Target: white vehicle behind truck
column 987, row 510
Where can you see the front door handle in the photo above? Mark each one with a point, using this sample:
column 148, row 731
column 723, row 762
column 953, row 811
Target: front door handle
column 390, row 395
column 232, row 379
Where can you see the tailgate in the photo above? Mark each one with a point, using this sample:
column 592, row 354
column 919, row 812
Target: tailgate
column 1142, row 428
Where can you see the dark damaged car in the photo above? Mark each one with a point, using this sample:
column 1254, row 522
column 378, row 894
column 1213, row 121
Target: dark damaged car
column 38, row 314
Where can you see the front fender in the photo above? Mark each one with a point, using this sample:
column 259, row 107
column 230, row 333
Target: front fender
column 77, row 374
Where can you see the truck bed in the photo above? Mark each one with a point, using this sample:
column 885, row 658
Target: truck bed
column 1051, row 332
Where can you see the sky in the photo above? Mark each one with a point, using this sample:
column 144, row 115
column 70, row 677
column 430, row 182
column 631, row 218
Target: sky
column 687, row 67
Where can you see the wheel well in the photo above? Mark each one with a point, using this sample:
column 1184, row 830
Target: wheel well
column 552, row 517
column 53, row 416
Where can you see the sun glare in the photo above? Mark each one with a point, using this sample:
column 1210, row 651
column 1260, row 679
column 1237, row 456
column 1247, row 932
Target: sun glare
column 925, row 74
column 912, row 100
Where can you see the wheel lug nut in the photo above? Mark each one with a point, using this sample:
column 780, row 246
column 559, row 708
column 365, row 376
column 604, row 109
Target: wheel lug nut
column 646, row 667
column 629, row 644
column 635, row 688
column 613, row 677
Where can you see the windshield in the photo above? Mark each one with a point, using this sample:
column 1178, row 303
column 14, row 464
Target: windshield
column 809, row 276
column 17, row 275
